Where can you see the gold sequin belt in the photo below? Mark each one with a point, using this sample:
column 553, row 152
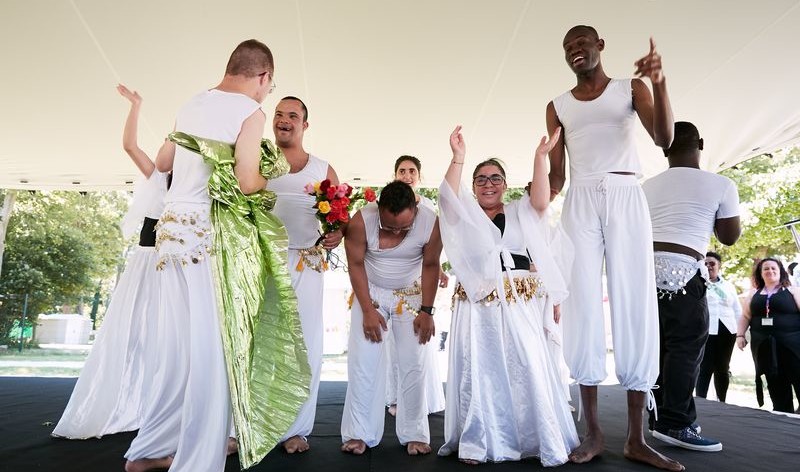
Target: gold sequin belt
column 315, row 258
column 527, row 288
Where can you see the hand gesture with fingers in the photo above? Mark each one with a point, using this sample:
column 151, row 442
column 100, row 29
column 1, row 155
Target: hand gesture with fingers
column 457, row 144
column 650, row 65
column 132, row 97
column 374, row 323
column 546, row 145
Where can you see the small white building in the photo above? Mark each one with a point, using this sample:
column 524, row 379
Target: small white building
column 63, row 329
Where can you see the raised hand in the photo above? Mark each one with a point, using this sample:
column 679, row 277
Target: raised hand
column 650, row 65
column 457, row 144
column 132, row 97
column 546, row 145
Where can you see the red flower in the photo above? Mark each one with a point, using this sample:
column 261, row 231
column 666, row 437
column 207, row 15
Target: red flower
column 325, row 185
column 331, row 217
column 369, row 194
column 345, row 217
column 330, row 193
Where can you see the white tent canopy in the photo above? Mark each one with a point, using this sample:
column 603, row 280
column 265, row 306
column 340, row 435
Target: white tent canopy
column 381, row 78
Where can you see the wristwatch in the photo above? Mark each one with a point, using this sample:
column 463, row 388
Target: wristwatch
column 427, row 309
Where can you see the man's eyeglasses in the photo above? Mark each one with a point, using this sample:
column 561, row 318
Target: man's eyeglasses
column 273, row 84
column 482, row 180
column 395, row 230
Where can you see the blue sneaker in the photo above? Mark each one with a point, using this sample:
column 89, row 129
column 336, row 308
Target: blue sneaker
column 696, row 427
column 687, row 438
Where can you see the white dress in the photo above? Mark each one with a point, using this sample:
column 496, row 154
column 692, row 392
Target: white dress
column 505, row 398
column 189, row 415
column 109, row 395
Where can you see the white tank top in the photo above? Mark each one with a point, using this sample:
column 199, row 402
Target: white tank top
column 599, row 134
column 212, row 114
column 295, row 207
column 400, row 266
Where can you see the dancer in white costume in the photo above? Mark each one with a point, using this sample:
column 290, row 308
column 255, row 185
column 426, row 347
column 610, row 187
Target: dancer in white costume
column 306, row 255
column 187, row 422
column 505, row 400
column 393, row 250
column 605, row 215
column 407, row 169
column 109, row 395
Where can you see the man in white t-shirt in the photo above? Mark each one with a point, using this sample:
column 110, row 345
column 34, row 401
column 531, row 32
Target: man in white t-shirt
column 686, row 206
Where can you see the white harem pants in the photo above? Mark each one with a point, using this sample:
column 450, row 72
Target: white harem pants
column 607, row 217
column 364, row 405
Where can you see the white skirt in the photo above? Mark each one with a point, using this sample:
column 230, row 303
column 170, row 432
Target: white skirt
column 108, row 397
column 505, row 399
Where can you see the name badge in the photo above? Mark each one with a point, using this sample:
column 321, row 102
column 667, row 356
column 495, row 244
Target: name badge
column 767, row 321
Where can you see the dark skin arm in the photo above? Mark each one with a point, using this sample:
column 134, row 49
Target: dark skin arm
column 558, row 161
column 355, row 246
column 728, row 230
column 424, row 326
column 655, row 112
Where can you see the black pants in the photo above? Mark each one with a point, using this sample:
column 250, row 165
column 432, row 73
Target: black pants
column 716, row 361
column 684, row 329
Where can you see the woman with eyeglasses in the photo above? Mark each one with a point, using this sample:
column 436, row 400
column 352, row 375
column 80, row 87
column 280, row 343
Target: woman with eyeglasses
column 771, row 312
column 408, row 169
column 505, row 399
column 724, row 311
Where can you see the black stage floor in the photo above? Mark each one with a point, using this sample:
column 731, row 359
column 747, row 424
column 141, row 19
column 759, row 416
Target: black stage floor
column 754, row 440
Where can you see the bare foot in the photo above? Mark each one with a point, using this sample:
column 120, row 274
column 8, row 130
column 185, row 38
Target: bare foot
column 354, row 446
column 296, row 444
column 469, row 461
column 142, row 465
column 592, row 445
column 417, row 448
column 641, row 452
column 393, row 410
column 233, row 446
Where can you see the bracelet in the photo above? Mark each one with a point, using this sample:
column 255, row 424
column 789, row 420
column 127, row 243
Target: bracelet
column 456, row 162
column 740, row 335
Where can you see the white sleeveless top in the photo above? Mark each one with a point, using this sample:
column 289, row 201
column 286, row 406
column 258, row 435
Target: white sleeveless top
column 295, row 207
column 599, row 134
column 400, row 266
column 212, row 114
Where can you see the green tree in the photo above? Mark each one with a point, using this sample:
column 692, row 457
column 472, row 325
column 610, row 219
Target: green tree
column 770, row 196
column 60, row 246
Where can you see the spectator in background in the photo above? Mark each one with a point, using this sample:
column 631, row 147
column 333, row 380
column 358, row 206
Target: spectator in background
column 724, row 312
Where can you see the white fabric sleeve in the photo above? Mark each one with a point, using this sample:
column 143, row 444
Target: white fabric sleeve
column 729, row 206
column 148, row 200
column 471, row 242
column 535, row 229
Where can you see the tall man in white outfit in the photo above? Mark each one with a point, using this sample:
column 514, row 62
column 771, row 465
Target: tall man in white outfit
column 185, row 427
column 393, row 250
column 686, row 205
column 306, row 258
column 605, row 214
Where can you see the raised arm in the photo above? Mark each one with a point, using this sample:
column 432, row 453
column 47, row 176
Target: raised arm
column 355, row 246
column 459, row 148
column 540, row 184
column 655, row 112
column 558, row 164
column 130, row 134
column 248, row 154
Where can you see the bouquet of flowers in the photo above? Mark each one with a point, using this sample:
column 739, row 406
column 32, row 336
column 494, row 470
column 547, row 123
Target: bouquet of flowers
column 334, row 202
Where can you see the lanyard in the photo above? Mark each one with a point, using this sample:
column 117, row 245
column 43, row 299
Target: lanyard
column 769, row 295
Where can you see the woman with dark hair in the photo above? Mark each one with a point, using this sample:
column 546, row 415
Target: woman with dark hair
column 773, row 316
column 505, row 398
column 724, row 312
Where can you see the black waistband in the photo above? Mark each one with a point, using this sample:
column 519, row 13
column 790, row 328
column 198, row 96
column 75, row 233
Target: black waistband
column 147, row 237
